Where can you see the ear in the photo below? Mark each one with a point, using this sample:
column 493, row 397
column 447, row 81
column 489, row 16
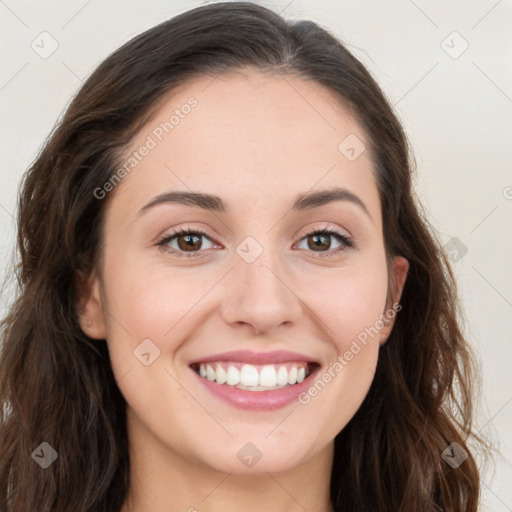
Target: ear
column 90, row 309
column 398, row 277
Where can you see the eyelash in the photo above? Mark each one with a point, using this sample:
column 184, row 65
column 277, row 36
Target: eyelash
column 345, row 240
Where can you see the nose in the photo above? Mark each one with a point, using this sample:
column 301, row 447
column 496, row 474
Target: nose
column 260, row 295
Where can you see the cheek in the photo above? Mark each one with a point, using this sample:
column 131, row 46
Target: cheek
column 349, row 307
column 348, row 301
column 148, row 314
column 135, row 311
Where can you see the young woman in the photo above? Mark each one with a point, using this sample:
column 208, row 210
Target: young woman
column 229, row 299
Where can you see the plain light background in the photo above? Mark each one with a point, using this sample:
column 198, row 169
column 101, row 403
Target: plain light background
column 445, row 66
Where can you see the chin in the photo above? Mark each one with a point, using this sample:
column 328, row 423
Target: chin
column 257, row 456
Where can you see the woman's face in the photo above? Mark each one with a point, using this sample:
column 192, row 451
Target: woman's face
column 257, row 278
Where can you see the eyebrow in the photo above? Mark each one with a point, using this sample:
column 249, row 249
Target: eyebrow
column 210, row 202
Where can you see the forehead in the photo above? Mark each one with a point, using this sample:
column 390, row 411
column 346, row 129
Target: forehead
column 249, row 136
column 253, row 111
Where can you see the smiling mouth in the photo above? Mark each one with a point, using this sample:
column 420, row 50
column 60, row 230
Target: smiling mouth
column 251, row 377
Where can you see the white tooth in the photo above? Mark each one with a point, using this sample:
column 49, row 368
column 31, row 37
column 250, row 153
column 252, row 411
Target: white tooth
column 301, row 374
column 282, row 376
column 268, row 376
column 233, row 376
column 210, row 372
column 249, row 375
column 220, row 375
column 292, row 375
column 202, row 370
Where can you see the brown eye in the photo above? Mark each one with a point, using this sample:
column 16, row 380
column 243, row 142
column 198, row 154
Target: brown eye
column 320, row 241
column 188, row 242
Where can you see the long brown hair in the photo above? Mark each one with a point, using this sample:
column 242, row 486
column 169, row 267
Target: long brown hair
column 56, row 384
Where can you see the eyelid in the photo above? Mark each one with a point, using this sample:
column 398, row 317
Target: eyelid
column 325, row 226
column 346, row 240
column 165, row 239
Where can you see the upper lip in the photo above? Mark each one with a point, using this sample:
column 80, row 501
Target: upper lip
column 250, row 357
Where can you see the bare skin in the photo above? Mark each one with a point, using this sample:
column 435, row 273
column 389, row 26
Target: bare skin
column 257, row 141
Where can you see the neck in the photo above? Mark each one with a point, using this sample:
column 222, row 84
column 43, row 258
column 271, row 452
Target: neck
column 163, row 480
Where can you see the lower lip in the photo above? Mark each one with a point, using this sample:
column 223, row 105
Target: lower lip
column 257, row 400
